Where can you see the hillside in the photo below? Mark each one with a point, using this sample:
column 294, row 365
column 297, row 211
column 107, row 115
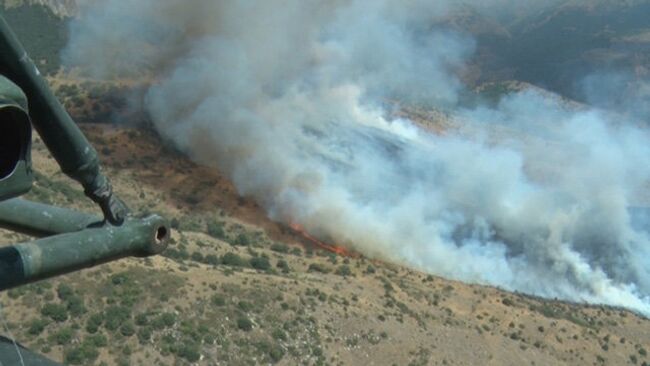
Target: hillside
column 42, row 31
column 60, row 8
column 555, row 47
column 558, row 47
column 236, row 289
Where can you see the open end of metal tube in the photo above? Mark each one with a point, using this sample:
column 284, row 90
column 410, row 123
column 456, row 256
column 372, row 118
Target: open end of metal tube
column 162, row 234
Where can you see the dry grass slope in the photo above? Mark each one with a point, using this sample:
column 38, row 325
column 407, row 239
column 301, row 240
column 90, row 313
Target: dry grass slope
column 238, row 289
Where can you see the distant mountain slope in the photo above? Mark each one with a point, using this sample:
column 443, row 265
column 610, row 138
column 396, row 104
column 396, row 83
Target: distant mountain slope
column 554, row 47
column 41, row 29
column 61, row 8
column 560, row 46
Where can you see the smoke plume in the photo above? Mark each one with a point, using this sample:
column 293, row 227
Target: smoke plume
column 294, row 100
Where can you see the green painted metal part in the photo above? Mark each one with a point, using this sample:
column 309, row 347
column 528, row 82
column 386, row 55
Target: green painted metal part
column 12, row 95
column 18, row 183
column 69, row 240
column 16, row 174
column 55, row 255
column 60, row 134
column 72, row 151
column 38, row 219
column 15, row 354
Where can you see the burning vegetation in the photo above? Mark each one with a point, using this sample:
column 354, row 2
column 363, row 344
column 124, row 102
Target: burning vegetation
column 313, row 241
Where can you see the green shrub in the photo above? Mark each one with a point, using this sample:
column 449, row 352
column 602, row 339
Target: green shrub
column 197, row 257
column 242, row 240
column 75, row 305
column 83, row 354
column 175, row 223
column 317, row 267
column 15, row 293
column 189, row 352
column 276, row 353
column 168, row 319
column 163, row 321
column 212, row 259
column 344, row 270
column 97, row 340
column 127, row 329
column 280, row 248
column 232, row 259
column 296, row 251
column 322, row 297
column 279, row 334
column 120, row 279
column 144, row 334
column 260, row 263
column 37, row 326
column 94, row 322
column 116, row 316
column 75, row 356
column 64, row 291
column 218, row 300
column 158, row 323
column 245, row 306
column 62, row 336
column 176, row 254
column 126, row 350
column 245, row 324
column 141, row 319
column 283, row 266
column 56, row 312
column 215, row 230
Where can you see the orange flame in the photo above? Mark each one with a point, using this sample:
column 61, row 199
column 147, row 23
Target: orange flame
column 339, row 250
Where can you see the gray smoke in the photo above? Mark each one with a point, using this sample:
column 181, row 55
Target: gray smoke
column 293, row 100
column 620, row 91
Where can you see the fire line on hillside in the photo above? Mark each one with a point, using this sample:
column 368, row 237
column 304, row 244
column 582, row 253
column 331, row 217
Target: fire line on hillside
column 336, row 249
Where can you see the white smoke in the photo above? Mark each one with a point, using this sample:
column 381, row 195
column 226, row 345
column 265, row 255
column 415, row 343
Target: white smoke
column 292, row 99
